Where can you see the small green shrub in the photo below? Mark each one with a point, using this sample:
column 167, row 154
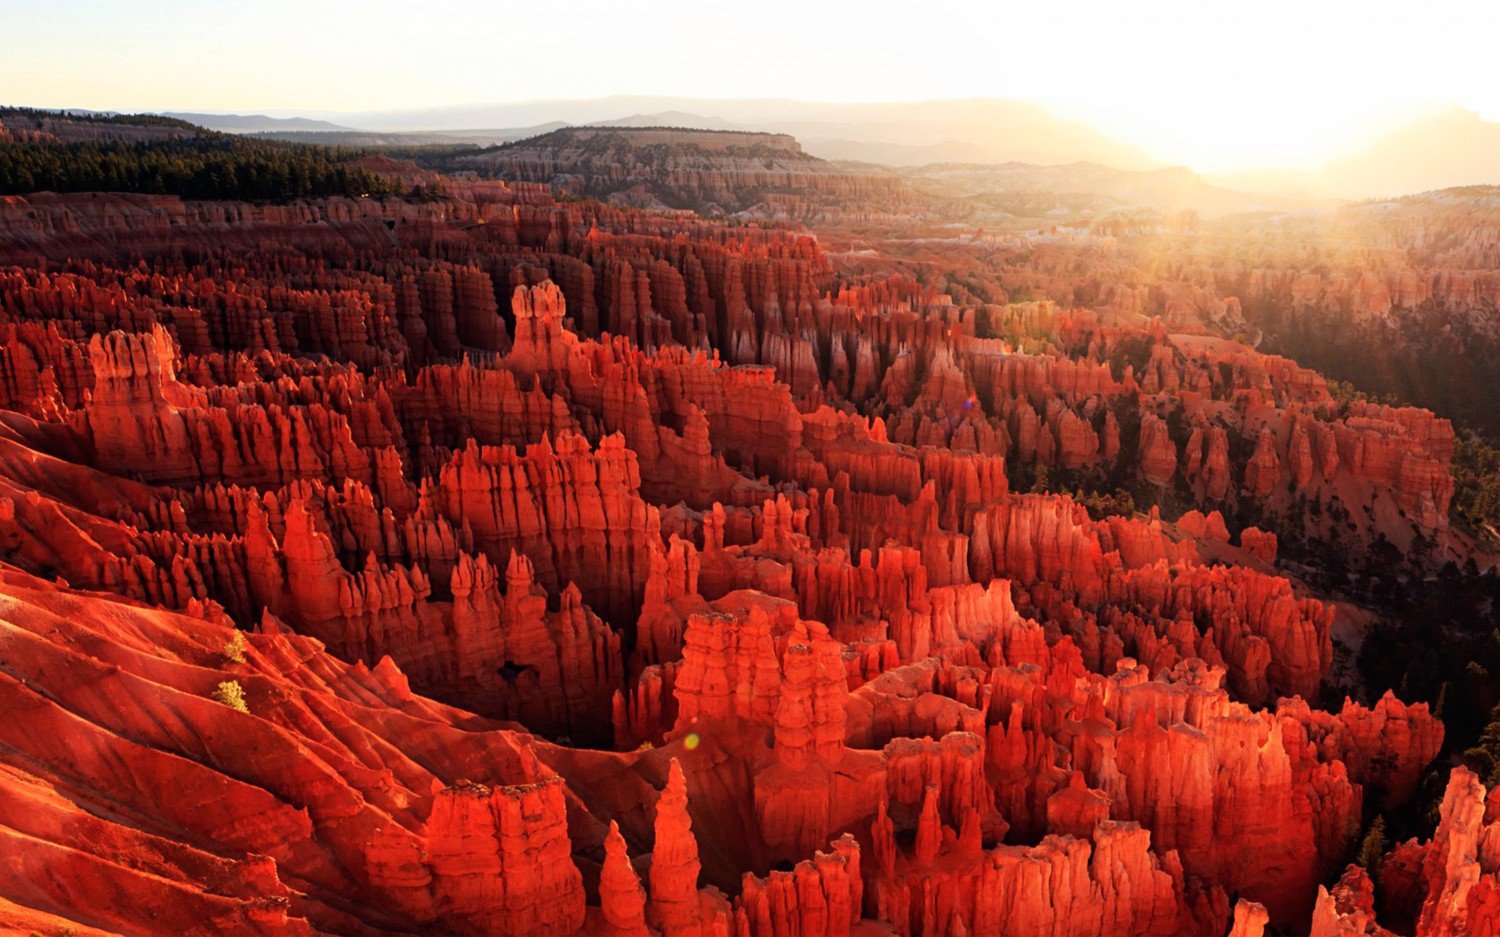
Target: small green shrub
column 231, row 694
column 234, row 648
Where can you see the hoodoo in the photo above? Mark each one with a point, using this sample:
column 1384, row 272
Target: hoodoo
column 652, row 532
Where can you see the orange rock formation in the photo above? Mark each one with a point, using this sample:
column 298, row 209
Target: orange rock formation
column 490, row 564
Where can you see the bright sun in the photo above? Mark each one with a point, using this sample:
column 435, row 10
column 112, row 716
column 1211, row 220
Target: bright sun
column 1280, row 83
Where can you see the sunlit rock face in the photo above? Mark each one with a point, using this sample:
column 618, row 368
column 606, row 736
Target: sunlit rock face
column 497, row 565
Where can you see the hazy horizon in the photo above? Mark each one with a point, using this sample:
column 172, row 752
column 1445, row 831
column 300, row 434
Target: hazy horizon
column 1287, row 87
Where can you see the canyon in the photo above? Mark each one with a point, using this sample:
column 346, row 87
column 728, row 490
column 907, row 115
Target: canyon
column 520, row 559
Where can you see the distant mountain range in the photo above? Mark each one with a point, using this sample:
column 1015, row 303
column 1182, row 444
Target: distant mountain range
column 1449, row 148
column 251, row 123
column 1069, row 192
column 377, row 139
column 979, row 130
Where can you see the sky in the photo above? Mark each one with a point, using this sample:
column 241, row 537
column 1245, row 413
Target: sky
column 1212, row 85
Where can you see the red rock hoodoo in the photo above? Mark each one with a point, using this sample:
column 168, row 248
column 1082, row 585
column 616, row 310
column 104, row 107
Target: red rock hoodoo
column 491, row 564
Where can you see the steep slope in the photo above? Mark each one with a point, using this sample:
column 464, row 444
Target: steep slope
column 142, row 796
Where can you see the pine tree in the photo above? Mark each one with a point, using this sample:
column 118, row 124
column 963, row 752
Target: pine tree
column 1484, row 758
column 1372, row 849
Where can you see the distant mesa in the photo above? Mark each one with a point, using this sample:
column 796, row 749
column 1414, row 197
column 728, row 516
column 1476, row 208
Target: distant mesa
column 636, row 137
column 713, row 172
